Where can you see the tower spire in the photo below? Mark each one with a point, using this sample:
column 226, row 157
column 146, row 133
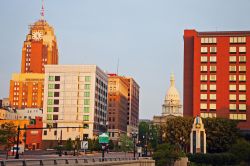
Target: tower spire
column 42, row 11
column 172, row 81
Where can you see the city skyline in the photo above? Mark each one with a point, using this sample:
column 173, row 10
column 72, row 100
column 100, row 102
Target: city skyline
column 146, row 37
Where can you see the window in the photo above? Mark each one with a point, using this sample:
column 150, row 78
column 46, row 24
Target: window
column 203, row 49
column 86, row 109
column 208, row 115
column 242, row 107
column 50, row 101
column 203, row 58
column 213, row 50
column 212, row 68
column 55, row 117
column 237, row 39
column 51, row 78
column 50, row 109
column 212, row 58
column 51, row 86
column 212, row 96
column 232, row 77
column 49, row 116
column 56, row 109
column 50, row 94
column 203, row 68
column 212, row 106
column 242, row 58
column 56, row 101
column 210, row 40
column 242, row 87
column 242, row 77
column 203, row 106
column 242, row 68
column 232, row 97
column 86, row 94
column 232, row 49
column 232, row 68
column 56, row 94
column 212, row 77
column 45, row 132
column 86, row 117
column 57, row 86
column 242, row 97
column 232, row 107
column 242, row 49
column 87, row 78
column 203, row 77
column 57, row 78
column 212, row 87
column 232, row 87
column 203, row 96
column 87, row 86
column 237, row 116
column 232, row 58
column 86, row 101
column 55, row 132
column 203, row 87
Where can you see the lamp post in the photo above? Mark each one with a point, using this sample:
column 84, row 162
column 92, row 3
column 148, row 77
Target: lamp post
column 134, row 136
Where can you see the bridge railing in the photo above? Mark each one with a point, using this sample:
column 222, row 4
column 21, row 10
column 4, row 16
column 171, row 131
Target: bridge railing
column 59, row 161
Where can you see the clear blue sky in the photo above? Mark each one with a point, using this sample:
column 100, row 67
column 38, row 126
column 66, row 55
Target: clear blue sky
column 146, row 35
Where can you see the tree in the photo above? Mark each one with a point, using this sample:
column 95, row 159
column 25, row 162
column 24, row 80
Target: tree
column 69, row 145
column 166, row 155
column 241, row 150
column 126, row 143
column 7, row 136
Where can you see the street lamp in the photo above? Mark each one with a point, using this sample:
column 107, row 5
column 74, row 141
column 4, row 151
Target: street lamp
column 134, row 136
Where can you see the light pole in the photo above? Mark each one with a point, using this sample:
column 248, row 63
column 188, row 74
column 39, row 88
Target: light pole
column 134, row 136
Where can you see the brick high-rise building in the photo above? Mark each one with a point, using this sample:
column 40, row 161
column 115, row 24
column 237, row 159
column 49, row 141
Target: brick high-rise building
column 216, row 75
column 118, row 90
column 39, row 49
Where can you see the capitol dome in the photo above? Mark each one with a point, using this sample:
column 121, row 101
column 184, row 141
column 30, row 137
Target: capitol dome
column 172, row 103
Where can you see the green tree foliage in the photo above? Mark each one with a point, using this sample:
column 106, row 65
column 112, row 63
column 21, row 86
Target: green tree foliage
column 111, row 145
column 221, row 134
column 7, row 135
column 69, row 145
column 241, row 150
column 126, row 143
column 166, row 155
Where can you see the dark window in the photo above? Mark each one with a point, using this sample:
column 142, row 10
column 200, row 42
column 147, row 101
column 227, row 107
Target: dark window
column 56, row 101
column 55, row 117
column 55, row 132
column 57, row 78
column 45, row 132
column 56, row 109
column 55, row 125
column 56, row 94
column 57, row 86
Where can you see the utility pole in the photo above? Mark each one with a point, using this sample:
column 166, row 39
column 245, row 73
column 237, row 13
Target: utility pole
column 17, row 143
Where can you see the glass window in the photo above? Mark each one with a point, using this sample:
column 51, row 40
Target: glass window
column 213, row 49
column 57, row 78
column 242, row 68
column 87, row 78
column 57, row 86
column 203, row 77
column 242, row 97
column 212, row 96
column 51, row 78
column 51, row 86
column 203, row 96
column 212, row 77
column 212, row 106
column 212, row 68
column 50, row 109
column 232, row 87
column 56, row 102
column 86, row 101
column 203, row 68
column 242, row 77
column 56, row 94
column 86, row 94
column 86, row 109
column 242, row 58
column 232, row 49
column 242, row 87
column 50, row 94
column 232, row 106
column 242, row 117
column 212, row 87
column 232, row 58
column 203, row 58
column 232, row 97
column 203, row 49
column 232, row 68
column 232, row 77
column 87, row 86
column 242, row 49
column 203, row 86
column 242, row 107
column 203, row 106
column 49, row 116
column 86, row 117
column 212, row 58
column 50, row 101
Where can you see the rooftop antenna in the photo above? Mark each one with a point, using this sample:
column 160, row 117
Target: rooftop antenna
column 117, row 69
column 42, row 11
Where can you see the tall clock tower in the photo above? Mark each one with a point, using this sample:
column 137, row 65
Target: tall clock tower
column 39, row 48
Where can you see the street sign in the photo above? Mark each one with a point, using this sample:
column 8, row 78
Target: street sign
column 103, row 138
column 84, row 145
column 139, row 150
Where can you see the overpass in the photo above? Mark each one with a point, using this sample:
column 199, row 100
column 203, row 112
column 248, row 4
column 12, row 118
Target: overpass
column 80, row 162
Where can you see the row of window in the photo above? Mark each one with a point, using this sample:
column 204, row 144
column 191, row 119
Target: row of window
column 232, row 49
column 232, row 106
column 211, row 96
column 232, row 78
column 242, row 97
column 238, row 116
column 237, row 39
column 211, row 58
column 212, row 50
column 203, row 77
column 213, row 40
column 208, row 115
column 232, row 68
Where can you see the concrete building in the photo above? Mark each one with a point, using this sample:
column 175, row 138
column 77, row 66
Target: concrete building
column 171, row 107
column 118, row 90
column 216, row 83
column 8, row 114
column 5, row 102
column 133, row 106
column 74, row 96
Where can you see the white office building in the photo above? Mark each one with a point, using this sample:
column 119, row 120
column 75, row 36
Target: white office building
column 74, row 96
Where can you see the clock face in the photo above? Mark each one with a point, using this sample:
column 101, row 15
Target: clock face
column 36, row 35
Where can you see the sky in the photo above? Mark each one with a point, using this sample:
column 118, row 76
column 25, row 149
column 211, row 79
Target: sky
column 145, row 35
